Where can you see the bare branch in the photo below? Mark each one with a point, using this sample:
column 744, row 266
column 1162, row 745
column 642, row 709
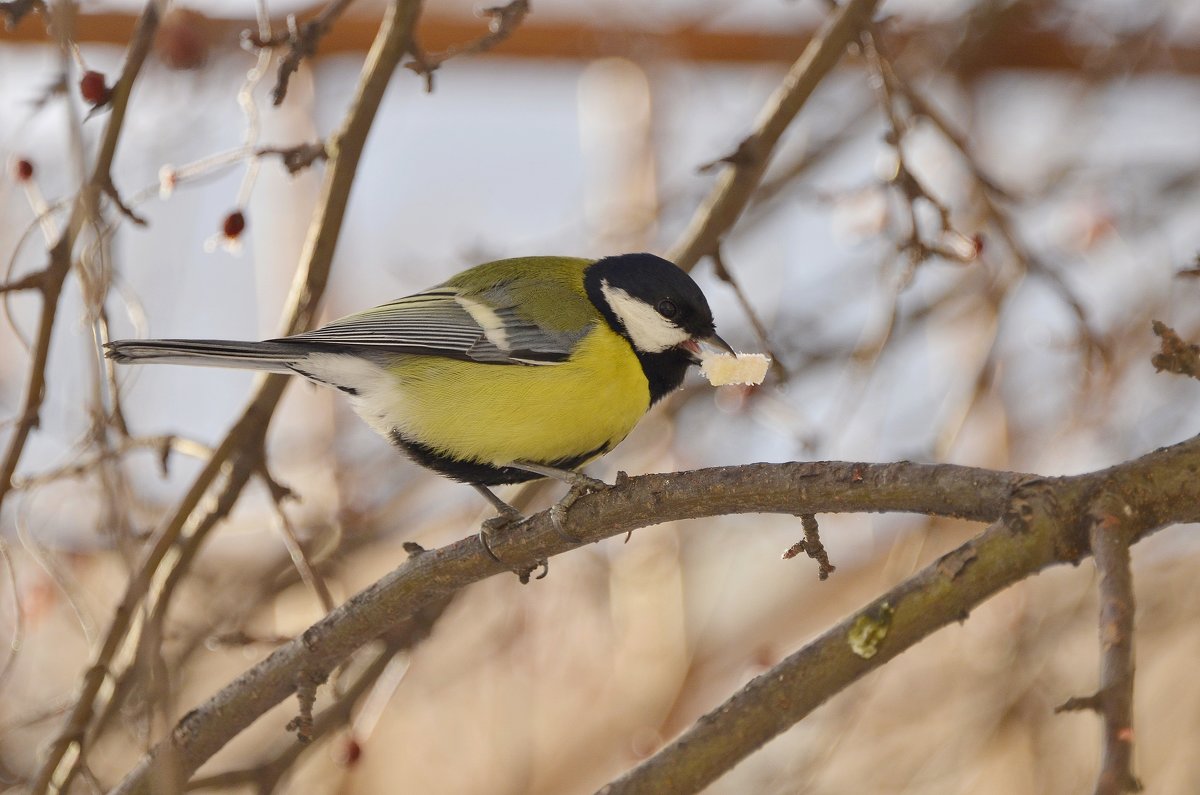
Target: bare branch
column 15, row 10
column 1110, row 548
column 243, row 443
column 503, row 21
column 32, row 281
column 811, row 545
column 84, row 207
column 1037, row 529
column 746, row 167
column 297, row 158
column 302, row 39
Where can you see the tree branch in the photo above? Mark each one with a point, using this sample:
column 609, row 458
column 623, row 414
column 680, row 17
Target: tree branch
column 85, row 206
column 746, row 166
column 1037, row 525
column 1041, row 527
column 1114, row 700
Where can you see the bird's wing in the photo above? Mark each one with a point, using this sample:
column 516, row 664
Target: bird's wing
column 487, row 327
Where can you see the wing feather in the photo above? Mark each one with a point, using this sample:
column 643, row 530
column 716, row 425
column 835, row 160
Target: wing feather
column 444, row 322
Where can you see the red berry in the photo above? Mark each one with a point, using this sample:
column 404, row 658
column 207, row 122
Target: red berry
column 351, row 752
column 24, row 170
column 94, row 89
column 234, row 225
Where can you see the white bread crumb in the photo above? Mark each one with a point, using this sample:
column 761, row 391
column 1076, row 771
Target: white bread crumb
column 746, row 368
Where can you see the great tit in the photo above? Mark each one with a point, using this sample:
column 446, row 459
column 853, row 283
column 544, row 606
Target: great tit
column 509, row 371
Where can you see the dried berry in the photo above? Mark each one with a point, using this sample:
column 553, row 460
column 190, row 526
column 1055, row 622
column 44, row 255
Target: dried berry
column 351, row 752
column 234, row 225
column 183, row 39
column 24, row 170
column 94, row 88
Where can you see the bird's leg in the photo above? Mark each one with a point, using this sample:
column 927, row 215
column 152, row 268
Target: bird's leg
column 580, row 484
column 506, row 516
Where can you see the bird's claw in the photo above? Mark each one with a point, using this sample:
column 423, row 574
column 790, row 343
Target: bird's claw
column 581, row 486
column 502, row 521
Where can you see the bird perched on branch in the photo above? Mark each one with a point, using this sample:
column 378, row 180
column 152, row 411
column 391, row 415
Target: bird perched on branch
column 509, row 371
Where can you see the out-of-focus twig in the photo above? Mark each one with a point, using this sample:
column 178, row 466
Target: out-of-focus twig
column 85, row 206
column 14, row 11
column 18, row 626
column 301, row 38
column 405, row 636
column 296, row 158
column 745, row 167
column 760, row 330
column 243, row 443
column 502, row 21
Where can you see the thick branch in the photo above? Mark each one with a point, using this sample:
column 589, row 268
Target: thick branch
column 636, row 502
column 1156, row 489
column 746, row 166
column 1044, row 525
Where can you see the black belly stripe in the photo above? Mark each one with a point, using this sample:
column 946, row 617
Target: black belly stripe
column 479, row 473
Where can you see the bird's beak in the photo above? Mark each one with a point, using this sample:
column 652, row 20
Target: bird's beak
column 710, row 344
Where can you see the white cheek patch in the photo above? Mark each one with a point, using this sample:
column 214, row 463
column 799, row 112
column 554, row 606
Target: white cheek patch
column 649, row 331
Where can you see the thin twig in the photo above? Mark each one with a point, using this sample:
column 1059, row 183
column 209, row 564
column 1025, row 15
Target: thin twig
column 296, row 158
column 302, row 40
column 760, row 330
column 1110, row 548
column 245, row 437
column 503, row 20
column 744, row 170
column 812, row 546
column 14, row 11
column 85, row 205
column 265, row 775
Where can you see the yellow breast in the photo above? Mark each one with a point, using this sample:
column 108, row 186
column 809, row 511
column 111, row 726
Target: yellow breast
column 496, row 414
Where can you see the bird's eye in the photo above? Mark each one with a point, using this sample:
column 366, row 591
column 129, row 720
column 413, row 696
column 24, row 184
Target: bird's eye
column 667, row 308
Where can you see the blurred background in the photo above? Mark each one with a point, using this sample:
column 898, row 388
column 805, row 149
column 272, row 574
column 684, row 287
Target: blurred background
column 955, row 256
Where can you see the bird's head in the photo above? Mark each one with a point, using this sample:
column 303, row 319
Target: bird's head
column 655, row 305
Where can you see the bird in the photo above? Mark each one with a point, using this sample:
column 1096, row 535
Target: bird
column 509, row 371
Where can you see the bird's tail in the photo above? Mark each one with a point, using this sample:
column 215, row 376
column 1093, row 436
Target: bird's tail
column 273, row 356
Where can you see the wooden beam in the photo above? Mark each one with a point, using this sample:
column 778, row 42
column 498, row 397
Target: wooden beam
column 1007, row 45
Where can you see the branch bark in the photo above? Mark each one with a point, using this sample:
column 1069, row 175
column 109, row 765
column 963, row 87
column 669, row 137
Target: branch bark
column 745, row 167
column 1037, row 523
column 1111, row 551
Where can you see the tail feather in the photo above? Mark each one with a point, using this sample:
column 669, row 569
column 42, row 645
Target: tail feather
column 271, row 356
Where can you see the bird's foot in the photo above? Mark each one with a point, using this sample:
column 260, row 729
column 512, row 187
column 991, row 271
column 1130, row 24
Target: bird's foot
column 505, row 519
column 581, row 486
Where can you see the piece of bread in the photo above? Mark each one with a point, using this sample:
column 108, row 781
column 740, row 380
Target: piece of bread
column 745, row 368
